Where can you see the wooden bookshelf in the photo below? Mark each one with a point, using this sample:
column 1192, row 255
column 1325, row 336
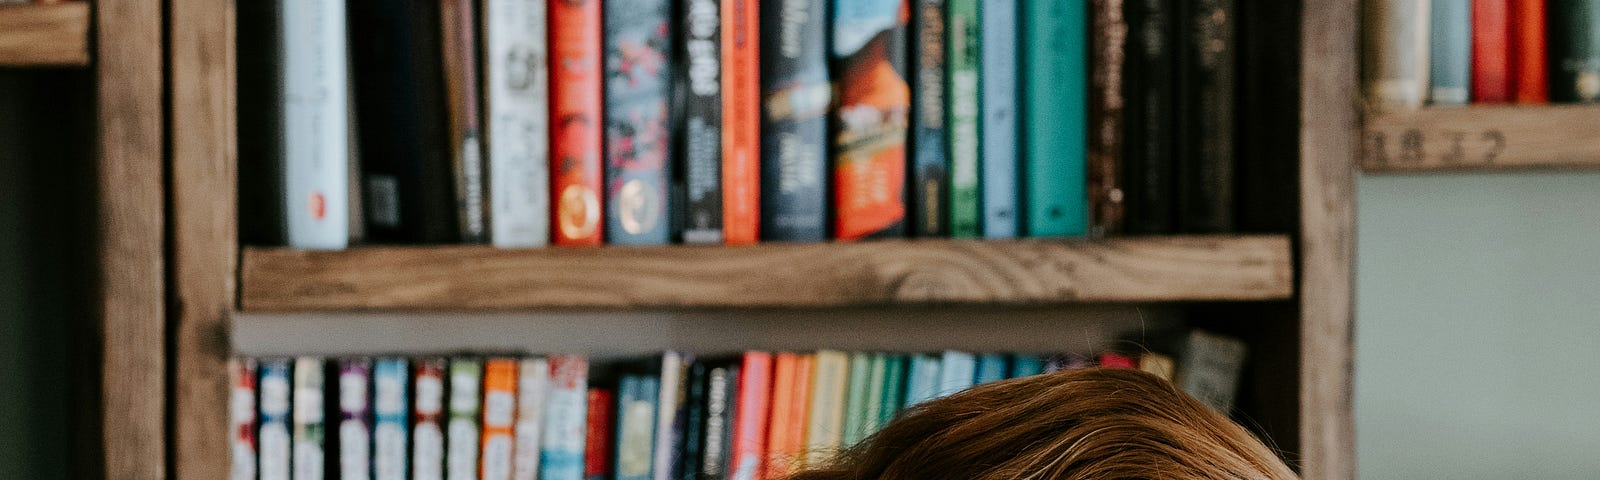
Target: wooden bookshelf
column 50, row 35
column 1483, row 138
column 1154, row 269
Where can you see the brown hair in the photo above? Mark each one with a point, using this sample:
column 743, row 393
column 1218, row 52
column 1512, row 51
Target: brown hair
column 1095, row 423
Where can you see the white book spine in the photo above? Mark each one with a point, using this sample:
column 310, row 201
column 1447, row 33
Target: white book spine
column 516, row 85
column 316, row 124
column 242, row 421
column 673, row 369
column 274, row 437
column 533, row 385
column 427, row 457
column 463, row 434
column 309, row 419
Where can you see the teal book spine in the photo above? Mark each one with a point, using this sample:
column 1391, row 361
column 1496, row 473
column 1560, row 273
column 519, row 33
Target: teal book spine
column 1574, row 29
column 874, row 402
column 956, row 371
column 894, row 383
column 965, row 117
column 855, row 403
column 991, row 368
column 999, row 125
column 637, row 399
column 1054, row 106
column 922, row 380
column 1026, row 365
column 1450, row 48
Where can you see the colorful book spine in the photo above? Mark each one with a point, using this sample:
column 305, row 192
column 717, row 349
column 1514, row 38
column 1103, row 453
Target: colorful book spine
column 825, row 415
column 516, row 90
column 1450, row 52
column 796, row 93
column 390, row 408
column 956, row 372
column 1529, row 56
column 466, row 400
column 670, row 413
column 1575, row 50
column 1109, row 41
column 872, row 115
column 1491, row 48
column 353, row 436
column 922, row 382
column 894, row 389
column 1054, row 102
column 575, row 129
column 872, row 410
column 930, row 179
column 714, row 446
column 786, row 430
column 459, row 49
column 749, row 438
column 597, row 427
column 533, row 387
column 310, row 425
column 1025, row 365
column 1396, row 41
column 992, row 367
column 1117, row 360
column 998, row 68
column 499, row 418
column 1150, row 117
column 701, row 131
column 1211, row 366
column 242, row 418
column 1157, row 364
column 562, row 454
column 1206, row 121
column 741, row 121
column 638, row 396
column 275, row 437
column 638, row 149
column 855, row 403
column 427, row 435
column 963, row 50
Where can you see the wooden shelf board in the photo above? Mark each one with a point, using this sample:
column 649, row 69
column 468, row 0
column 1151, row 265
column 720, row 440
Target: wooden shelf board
column 45, row 35
column 1483, row 137
column 1154, row 269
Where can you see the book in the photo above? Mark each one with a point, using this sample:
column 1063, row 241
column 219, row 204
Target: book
column 1574, row 48
column 957, row 370
column 721, row 395
column 870, row 118
column 352, row 438
column 427, row 434
column 500, row 382
column 563, row 445
column 1491, row 50
column 1116, row 360
column 749, row 437
column 998, row 138
column 275, row 455
column 1148, row 153
column 1206, row 119
column 638, row 151
column 242, row 418
column 1157, row 364
column 894, row 389
column 701, row 128
column 1108, row 41
column 965, row 116
column 930, row 180
column 872, row 408
column 1023, row 365
column 391, row 418
column 1054, row 99
column 991, row 367
column 670, row 413
column 295, row 164
column 741, row 121
column 695, row 420
column 638, row 396
column 310, row 426
column 795, row 96
column 1395, row 36
column 825, row 409
column 922, row 381
column 463, row 430
column 533, row 389
column 459, row 49
column 575, row 128
column 516, row 86
column 855, row 403
column 1528, row 57
column 1211, row 367
column 1450, row 52
column 1266, row 133
column 597, row 428
column 780, row 453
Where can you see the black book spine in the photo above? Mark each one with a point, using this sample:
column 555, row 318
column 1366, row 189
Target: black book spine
column 1148, row 117
column 930, row 165
column 1106, row 101
column 1574, row 33
column 694, row 421
column 1205, row 116
column 721, row 382
column 260, row 111
column 700, row 51
column 1267, row 139
column 795, row 93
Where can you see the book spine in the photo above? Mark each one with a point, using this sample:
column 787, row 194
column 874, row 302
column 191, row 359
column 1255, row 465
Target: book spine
column 877, row 378
column 466, row 398
column 597, row 427
column 714, row 447
column 1528, row 51
column 1450, row 52
column 1491, row 49
column 855, row 403
column 1211, row 366
column 702, row 121
column 562, row 448
column 1055, row 110
column 931, row 178
column 638, row 148
column 796, row 94
column 390, row 376
column 730, row 409
column 669, row 415
column 793, row 459
column 315, row 125
column 1150, row 117
column 427, row 437
column 779, row 450
column 991, row 368
column 353, row 437
column 1025, row 365
column 1575, row 50
column 749, row 439
column 956, row 372
column 459, row 49
column 870, row 121
column 922, row 383
column 963, row 47
column 998, row 67
column 638, row 396
column 242, row 418
column 1116, row 360
column 575, row 129
column 825, row 418
column 741, row 115
column 1396, row 56
column 310, row 426
column 894, row 388
column 688, row 465
column 533, row 386
column 499, row 417
column 516, row 91
column 1157, row 364
column 1109, row 41
column 1206, row 95
column 275, row 438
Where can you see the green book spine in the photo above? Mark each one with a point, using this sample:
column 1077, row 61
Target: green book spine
column 874, row 401
column 964, row 118
column 1574, row 30
column 1054, row 117
column 855, row 403
column 894, row 388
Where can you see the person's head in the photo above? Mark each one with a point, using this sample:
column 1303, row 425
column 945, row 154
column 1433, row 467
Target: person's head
column 1096, row 423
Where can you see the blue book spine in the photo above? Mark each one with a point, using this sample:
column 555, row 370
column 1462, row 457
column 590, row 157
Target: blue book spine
column 795, row 93
column 637, row 400
column 922, row 383
column 931, row 180
column 638, row 150
column 1054, row 107
column 390, row 411
column 956, row 372
column 274, row 438
column 566, row 412
column 1026, row 365
column 1450, row 70
column 991, row 368
column 998, row 67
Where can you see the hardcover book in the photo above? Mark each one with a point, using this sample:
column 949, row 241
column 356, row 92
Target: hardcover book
column 459, row 49
column 242, row 418
column 929, row 206
column 638, row 396
column 922, row 381
column 1211, row 366
column 1055, row 58
column 1150, row 117
column 992, row 367
column 310, row 426
column 1109, row 41
column 825, row 410
column 749, row 437
column 795, row 96
column 1206, row 121
column 700, row 54
column 1450, row 52
column 466, row 400
column 516, row 86
column 855, row 403
column 894, row 389
column 565, row 419
column 638, row 148
column 575, row 128
column 1157, row 364
column 998, row 69
column 877, row 381
column 786, row 431
column 275, row 437
column 688, row 466
column 353, row 436
column 1491, row 49
column 391, row 412
column 871, row 118
column 597, row 427
column 1023, row 365
column 963, row 51
column 1396, row 58
column 1575, row 50
column 721, row 380
column 670, row 413
column 499, row 417
column 741, row 121
column 957, row 370
column 427, row 436
column 1528, row 57
column 533, row 387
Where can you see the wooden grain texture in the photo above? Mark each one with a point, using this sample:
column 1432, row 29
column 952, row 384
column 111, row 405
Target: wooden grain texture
column 131, row 258
column 204, row 237
column 44, row 35
column 789, row 275
column 1329, row 149
column 1483, row 137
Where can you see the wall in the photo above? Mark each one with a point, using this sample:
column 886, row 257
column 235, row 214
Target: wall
column 1477, row 326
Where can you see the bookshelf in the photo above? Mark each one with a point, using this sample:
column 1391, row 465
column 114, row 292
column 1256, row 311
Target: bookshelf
column 47, row 35
column 1482, row 138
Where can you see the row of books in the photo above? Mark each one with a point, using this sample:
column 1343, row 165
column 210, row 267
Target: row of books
column 585, row 122
column 1455, row 52
column 754, row 415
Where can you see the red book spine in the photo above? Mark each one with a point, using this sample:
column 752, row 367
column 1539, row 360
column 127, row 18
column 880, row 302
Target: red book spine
column 741, row 122
column 597, row 446
column 1114, row 360
column 1491, row 51
column 750, row 417
column 575, row 128
column 1528, row 57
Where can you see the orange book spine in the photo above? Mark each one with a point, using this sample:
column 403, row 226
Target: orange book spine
column 499, row 415
column 575, row 128
column 780, row 451
column 1528, row 51
column 741, row 122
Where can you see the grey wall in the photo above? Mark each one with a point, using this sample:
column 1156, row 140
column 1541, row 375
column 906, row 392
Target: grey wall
column 1478, row 326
